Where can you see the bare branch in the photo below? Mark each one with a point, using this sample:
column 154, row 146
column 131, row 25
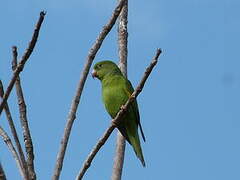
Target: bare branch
column 94, row 151
column 24, row 121
column 11, row 148
column 119, row 157
column 72, row 113
column 122, row 51
column 2, row 173
column 14, row 132
column 23, row 60
column 123, row 38
column 117, row 119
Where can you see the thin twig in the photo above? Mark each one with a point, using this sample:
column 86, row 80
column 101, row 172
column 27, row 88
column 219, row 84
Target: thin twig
column 2, row 173
column 9, row 144
column 123, row 52
column 73, row 109
column 14, row 133
column 23, row 60
column 24, row 121
column 115, row 122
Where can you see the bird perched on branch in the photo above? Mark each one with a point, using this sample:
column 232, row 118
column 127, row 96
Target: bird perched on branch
column 116, row 90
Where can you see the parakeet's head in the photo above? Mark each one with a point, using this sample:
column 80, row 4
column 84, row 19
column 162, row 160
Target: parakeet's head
column 103, row 68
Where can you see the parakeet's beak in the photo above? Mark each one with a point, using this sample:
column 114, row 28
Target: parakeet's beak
column 94, row 73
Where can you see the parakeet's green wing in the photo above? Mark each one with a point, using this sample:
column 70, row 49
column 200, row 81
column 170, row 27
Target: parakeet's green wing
column 129, row 90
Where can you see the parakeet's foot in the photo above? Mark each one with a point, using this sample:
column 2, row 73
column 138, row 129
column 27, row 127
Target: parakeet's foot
column 134, row 95
column 122, row 107
column 114, row 123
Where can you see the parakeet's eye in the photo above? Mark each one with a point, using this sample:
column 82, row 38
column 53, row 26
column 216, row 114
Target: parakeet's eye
column 100, row 65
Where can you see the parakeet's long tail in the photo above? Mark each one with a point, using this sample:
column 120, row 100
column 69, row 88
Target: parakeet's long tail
column 135, row 142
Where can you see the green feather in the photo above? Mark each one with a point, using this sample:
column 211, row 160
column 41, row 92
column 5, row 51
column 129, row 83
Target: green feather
column 116, row 90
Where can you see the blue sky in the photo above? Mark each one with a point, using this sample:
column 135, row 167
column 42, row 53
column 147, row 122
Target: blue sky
column 189, row 106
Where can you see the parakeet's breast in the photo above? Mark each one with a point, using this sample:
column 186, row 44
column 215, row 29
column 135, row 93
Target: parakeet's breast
column 113, row 95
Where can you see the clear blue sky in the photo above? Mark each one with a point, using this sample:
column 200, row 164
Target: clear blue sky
column 189, row 106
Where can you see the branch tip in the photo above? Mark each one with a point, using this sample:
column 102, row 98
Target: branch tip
column 43, row 13
column 23, row 60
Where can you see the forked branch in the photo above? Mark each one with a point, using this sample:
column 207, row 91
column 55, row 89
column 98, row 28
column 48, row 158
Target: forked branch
column 14, row 133
column 12, row 149
column 24, row 121
column 23, row 60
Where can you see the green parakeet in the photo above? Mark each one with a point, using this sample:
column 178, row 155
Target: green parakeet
column 116, row 90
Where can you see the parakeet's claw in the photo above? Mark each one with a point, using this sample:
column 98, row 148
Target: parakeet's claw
column 122, row 108
column 133, row 96
column 114, row 123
